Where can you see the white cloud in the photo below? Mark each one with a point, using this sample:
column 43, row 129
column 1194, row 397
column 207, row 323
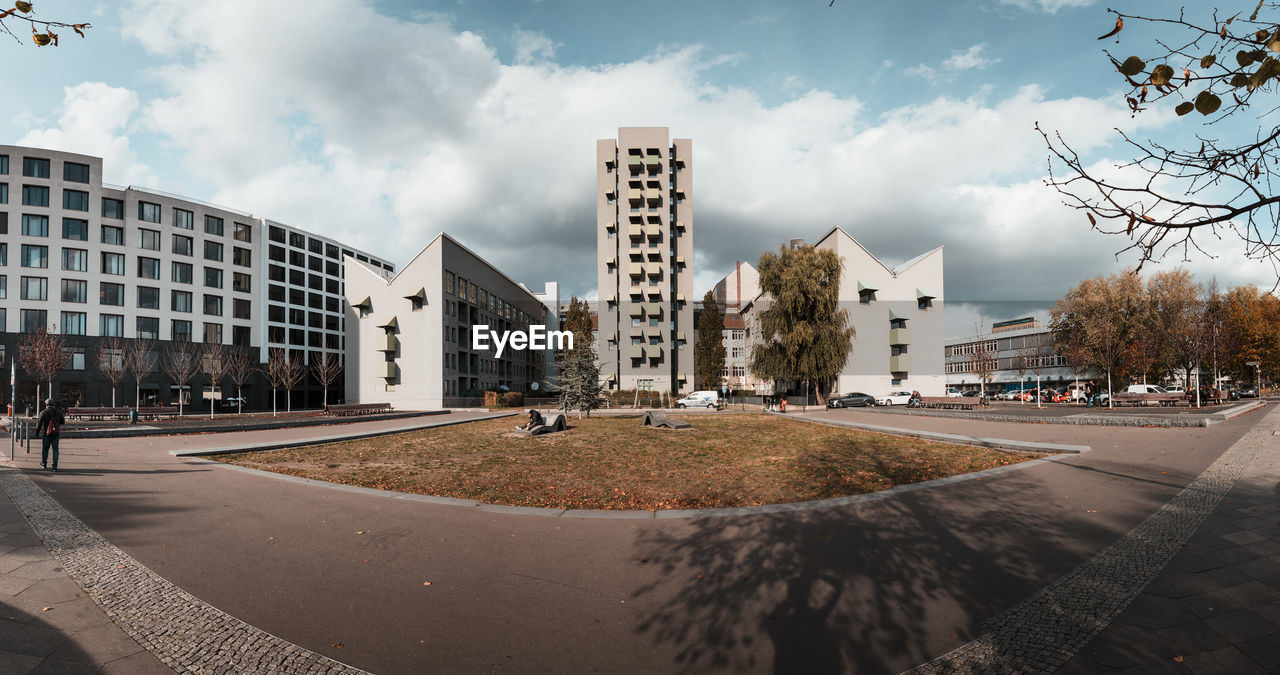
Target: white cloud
column 1047, row 6
column 969, row 59
column 94, row 121
column 532, row 46
column 923, row 72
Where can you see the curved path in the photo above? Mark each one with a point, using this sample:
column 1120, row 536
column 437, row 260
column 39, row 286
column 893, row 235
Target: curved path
column 874, row 586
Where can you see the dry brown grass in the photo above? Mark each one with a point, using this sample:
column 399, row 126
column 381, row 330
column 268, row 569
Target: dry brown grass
column 613, row 463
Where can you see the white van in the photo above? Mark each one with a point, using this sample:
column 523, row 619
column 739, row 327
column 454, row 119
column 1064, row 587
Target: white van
column 700, row 399
column 1144, row 389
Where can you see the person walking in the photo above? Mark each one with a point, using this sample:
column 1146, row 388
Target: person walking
column 1088, row 395
column 49, row 427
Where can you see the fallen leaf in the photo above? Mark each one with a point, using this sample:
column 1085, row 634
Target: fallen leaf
column 426, row 583
column 336, row 645
column 1177, row 659
column 45, row 609
column 360, row 532
column 1093, row 510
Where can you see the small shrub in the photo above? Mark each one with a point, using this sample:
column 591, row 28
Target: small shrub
column 513, row 399
column 491, row 400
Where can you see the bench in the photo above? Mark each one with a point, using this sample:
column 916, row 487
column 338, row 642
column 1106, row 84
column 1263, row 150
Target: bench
column 657, row 418
column 956, row 402
column 80, row 413
column 550, row 424
column 345, row 409
column 1125, row 398
column 156, row 412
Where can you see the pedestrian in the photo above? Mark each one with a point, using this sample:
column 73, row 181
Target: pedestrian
column 49, row 427
column 535, row 421
column 1088, row 395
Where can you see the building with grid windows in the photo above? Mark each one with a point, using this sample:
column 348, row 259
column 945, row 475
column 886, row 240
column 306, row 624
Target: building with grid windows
column 92, row 261
column 644, row 235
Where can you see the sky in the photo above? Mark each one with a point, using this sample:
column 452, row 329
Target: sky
column 909, row 124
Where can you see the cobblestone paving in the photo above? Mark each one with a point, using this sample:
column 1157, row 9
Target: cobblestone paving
column 183, row 632
column 1046, row 630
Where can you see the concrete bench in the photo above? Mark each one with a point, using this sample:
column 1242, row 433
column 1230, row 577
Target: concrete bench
column 82, row 413
column 156, row 412
column 956, row 402
column 345, row 409
column 550, row 425
column 657, row 418
column 1125, row 398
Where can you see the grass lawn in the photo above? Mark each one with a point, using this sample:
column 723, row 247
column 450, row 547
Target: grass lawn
column 613, row 463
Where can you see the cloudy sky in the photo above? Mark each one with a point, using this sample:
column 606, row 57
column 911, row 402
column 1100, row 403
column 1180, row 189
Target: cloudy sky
column 909, row 124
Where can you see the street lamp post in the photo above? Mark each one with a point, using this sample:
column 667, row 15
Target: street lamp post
column 1257, row 369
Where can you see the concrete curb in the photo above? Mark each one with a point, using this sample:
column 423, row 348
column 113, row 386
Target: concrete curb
column 993, row 443
column 323, row 440
column 1166, row 421
column 132, row 431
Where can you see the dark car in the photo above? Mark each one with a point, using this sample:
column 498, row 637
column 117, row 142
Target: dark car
column 970, row 394
column 854, row 400
column 1249, row 392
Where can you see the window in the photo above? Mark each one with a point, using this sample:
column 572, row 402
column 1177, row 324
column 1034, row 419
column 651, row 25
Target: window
column 213, row 225
column 240, row 336
column 297, row 317
column 296, row 240
column 4, row 290
column 241, row 309
column 33, row 320
column 35, row 256
column 276, row 234
column 35, row 226
column 213, row 277
column 113, row 235
column 75, row 200
column 34, row 167
column 275, row 313
column 924, row 303
column 275, row 293
column 184, row 219
column 331, row 286
column 73, row 228
column 315, row 246
column 275, row 273
column 111, row 294
column 213, row 251
column 331, row 268
column 113, row 263
column 866, row 296
column 111, row 325
column 112, row 208
column 181, row 330
column 75, row 173
column 276, row 253
column 213, row 333
column 315, row 264
column 297, row 258
column 148, row 268
column 180, row 301
column 315, row 282
column 242, row 257
column 148, row 328
column 35, row 195
column 213, row 305
column 241, row 282
column 148, row 297
column 4, row 170
column 4, row 193
column 75, row 260
column 297, row 277
column 331, row 251
column 242, row 232
column 73, row 323
column 149, row 212
column 75, row 290
column 149, row 239
column 183, row 245
column 181, row 273
column 449, row 280
column 35, row 288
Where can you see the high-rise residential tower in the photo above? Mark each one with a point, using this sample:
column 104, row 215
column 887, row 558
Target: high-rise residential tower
column 644, row 234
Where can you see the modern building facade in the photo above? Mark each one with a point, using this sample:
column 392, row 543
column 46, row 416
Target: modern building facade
column 644, row 266
column 411, row 337
column 896, row 313
column 1015, row 352
column 91, row 261
column 732, row 293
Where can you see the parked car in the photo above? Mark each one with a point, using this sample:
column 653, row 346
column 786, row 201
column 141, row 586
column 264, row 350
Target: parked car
column 894, row 398
column 1009, row 395
column 1249, row 392
column 952, row 391
column 700, row 399
column 852, row 400
column 1144, row 389
column 1175, row 389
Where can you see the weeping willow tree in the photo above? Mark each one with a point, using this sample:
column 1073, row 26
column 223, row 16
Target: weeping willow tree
column 803, row 333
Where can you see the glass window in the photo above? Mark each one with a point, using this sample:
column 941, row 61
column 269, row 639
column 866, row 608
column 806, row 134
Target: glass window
column 4, row 170
column 183, row 245
column 297, row 258
column 110, row 294
column 213, row 225
column 35, row 288
column 75, row 200
column 184, row 219
column 213, row 304
column 35, row 195
column 148, row 297
column 275, row 313
column 242, row 257
column 74, row 228
column 4, row 291
column 148, row 268
column 33, row 320
column 148, row 328
column 112, row 208
column 35, row 256
column 213, row 277
column 181, row 273
column 213, row 251
column 73, row 323
column 111, row 325
column 35, row 167
column 75, row 290
column 149, row 212
column 35, row 226
column 241, row 309
column 75, row 173
column 243, row 232
column 240, row 336
column 275, row 293
column 296, row 240
column 297, row 277
column 276, row 234
column 4, row 193
column 275, row 273
column 149, row 239
column 241, row 282
column 180, row 301
column 113, row 263
column 331, row 286
column 113, row 235
column 213, row 333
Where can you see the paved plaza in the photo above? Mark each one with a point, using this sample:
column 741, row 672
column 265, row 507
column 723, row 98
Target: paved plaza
column 1154, row 549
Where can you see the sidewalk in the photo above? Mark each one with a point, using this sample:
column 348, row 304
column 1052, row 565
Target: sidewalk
column 47, row 623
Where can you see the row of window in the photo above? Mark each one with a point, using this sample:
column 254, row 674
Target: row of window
column 38, row 195
column 314, row 282
column 301, row 317
column 112, row 325
column 298, row 337
column 39, row 167
column 465, row 290
column 300, row 241
column 77, row 260
column 77, row 291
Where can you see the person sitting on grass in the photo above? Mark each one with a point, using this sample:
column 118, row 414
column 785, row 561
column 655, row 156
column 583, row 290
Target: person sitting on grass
column 535, row 421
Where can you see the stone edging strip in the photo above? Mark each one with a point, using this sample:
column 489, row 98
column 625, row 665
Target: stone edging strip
column 944, row 437
column 131, row 431
column 1085, row 419
column 1044, row 631
column 185, row 633
column 322, row 440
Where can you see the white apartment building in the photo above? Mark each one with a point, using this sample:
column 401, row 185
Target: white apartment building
column 732, row 293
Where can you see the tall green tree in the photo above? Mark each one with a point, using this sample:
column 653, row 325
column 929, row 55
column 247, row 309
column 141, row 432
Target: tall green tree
column 804, row 334
column 578, row 321
column 709, row 353
column 579, row 382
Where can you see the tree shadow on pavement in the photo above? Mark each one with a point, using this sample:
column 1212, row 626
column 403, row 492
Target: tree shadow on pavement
column 29, row 643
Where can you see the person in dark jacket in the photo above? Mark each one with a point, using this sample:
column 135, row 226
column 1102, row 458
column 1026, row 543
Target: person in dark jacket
column 535, row 420
column 49, row 427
